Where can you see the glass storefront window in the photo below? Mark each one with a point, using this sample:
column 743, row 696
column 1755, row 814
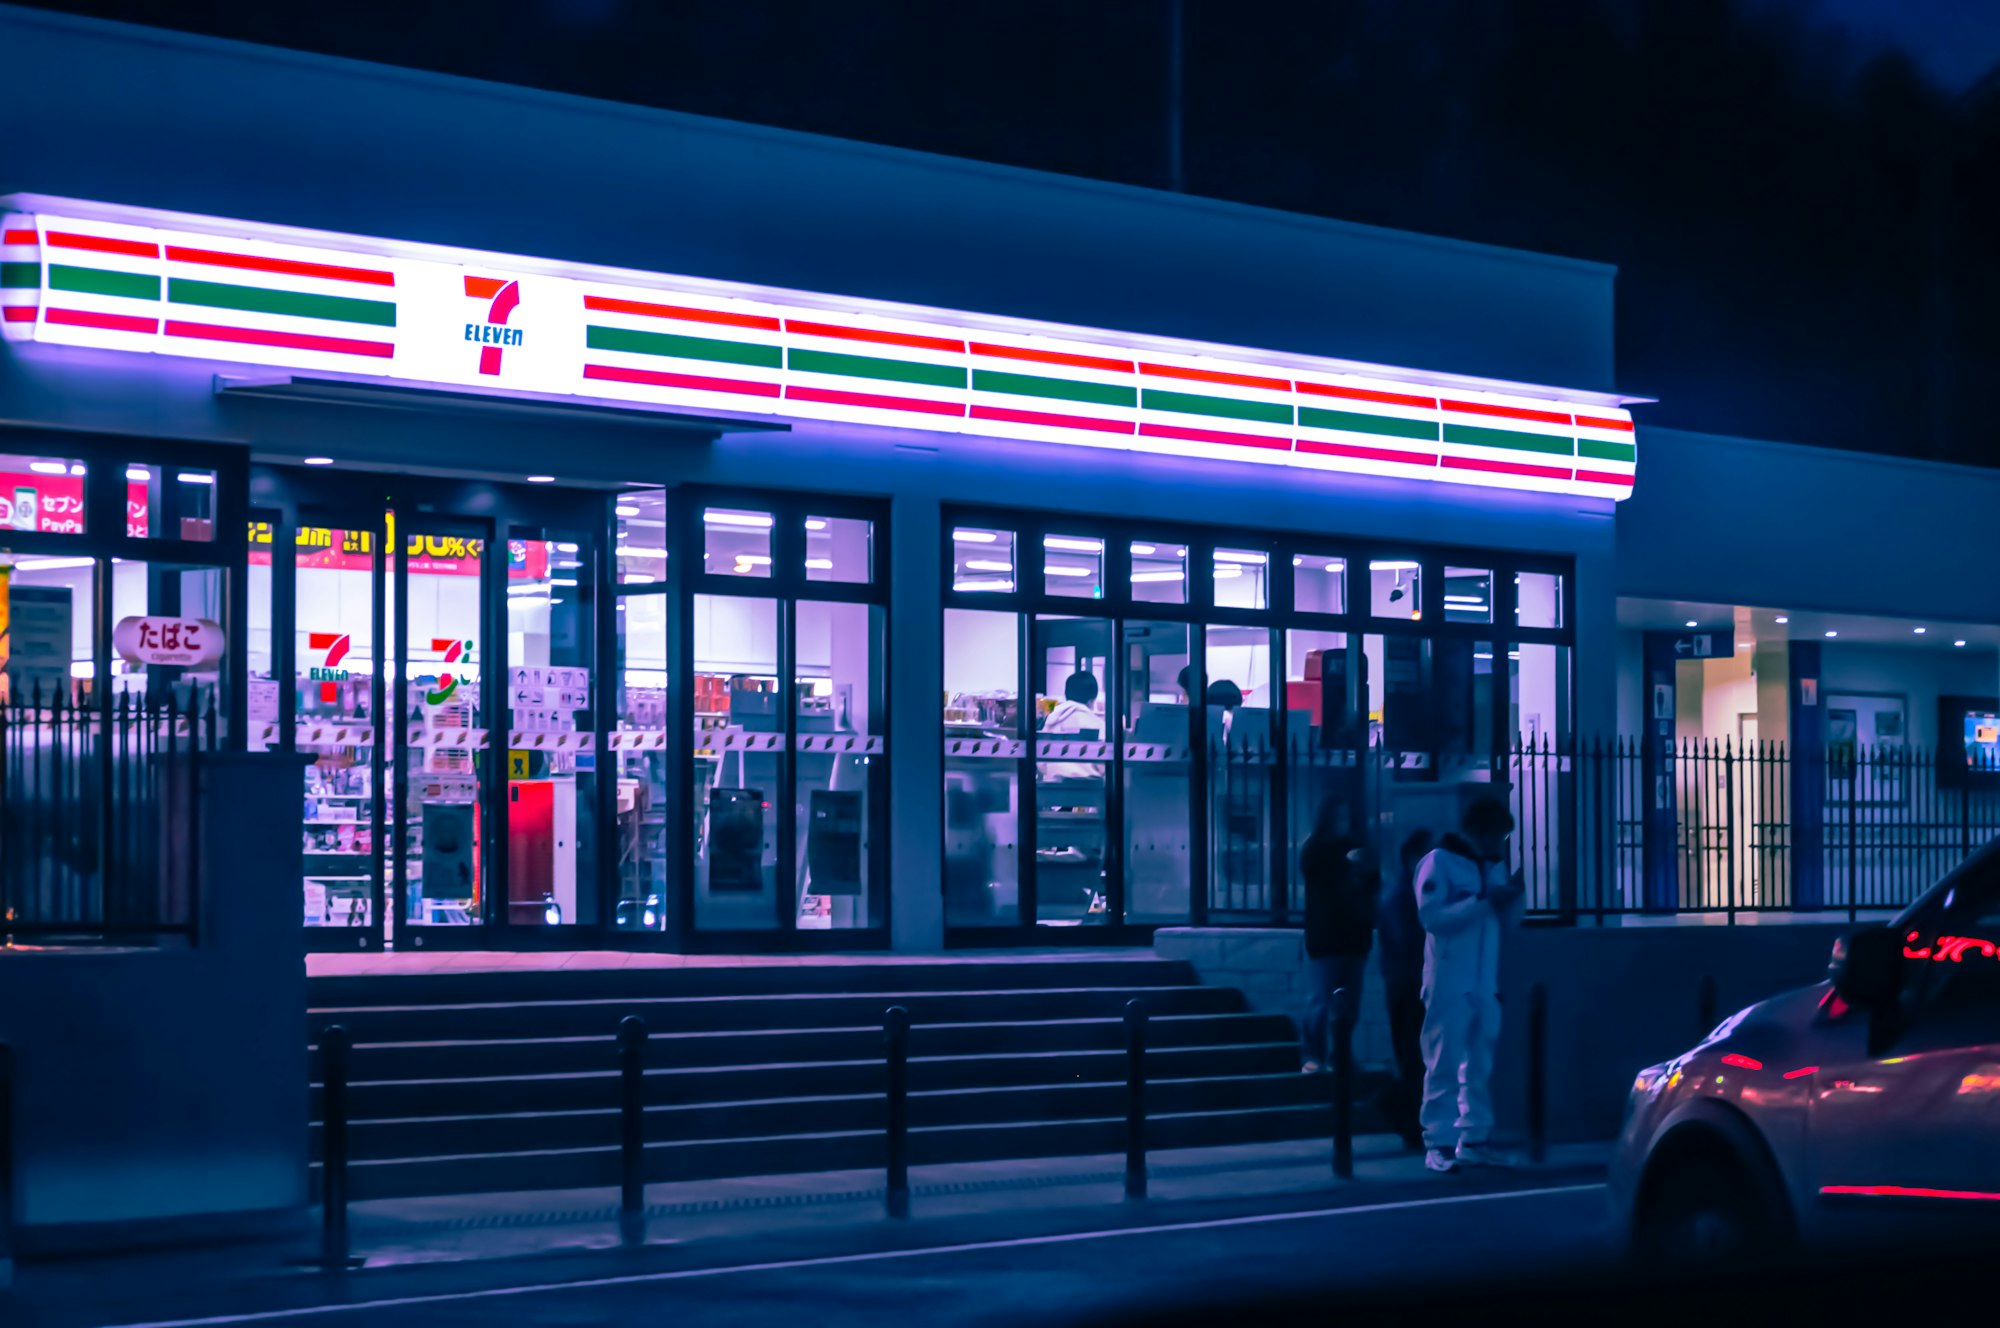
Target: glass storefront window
column 982, row 560
column 1158, row 764
column 1321, row 739
column 1240, row 756
column 738, row 764
column 840, row 548
column 1395, row 588
column 639, row 747
column 336, row 654
column 1538, row 599
column 1159, row 572
column 441, row 646
column 838, row 754
column 169, row 502
column 1468, row 595
column 551, row 760
column 1538, row 725
column 982, row 768
column 1242, row 579
column 1319, row 583
column 45, row 624
column 640, row 528
column 736, row 543
column 42, row 493
column 1071, row 667
column 1401, row 717
column 1073, row 566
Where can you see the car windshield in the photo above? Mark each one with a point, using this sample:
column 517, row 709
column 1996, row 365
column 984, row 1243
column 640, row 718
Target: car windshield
column 1968, row 894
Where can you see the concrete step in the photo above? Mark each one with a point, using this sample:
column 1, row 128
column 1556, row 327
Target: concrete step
column 600, row 1017
column 475, row 1057
column 527, row 1091
column 856, row 976
column 705, row 1159
column 527, row 1132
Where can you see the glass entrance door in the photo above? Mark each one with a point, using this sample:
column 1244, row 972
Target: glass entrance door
column 322, row 583
column 443, row 754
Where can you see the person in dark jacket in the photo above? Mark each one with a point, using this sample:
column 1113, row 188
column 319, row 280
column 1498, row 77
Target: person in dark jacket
column 1401, row 959
column 1340, row 883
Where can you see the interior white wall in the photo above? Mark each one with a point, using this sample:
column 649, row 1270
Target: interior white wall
column 981, row 651
column 1920, row 676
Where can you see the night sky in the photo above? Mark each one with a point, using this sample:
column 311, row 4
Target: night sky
column 1801, row 195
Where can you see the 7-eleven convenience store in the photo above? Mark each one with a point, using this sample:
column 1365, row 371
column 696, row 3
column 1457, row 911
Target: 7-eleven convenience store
column 747, row 540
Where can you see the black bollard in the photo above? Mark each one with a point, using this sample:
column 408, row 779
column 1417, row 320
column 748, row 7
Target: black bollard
column 1538, row 1073
column 632, row 1130
column 1135, row 1099
column 334, row 1045
column 6, row 1166
column 896, row 1034
column 1343, row 1086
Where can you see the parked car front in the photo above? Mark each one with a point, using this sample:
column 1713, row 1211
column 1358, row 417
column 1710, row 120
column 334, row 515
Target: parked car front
column 1866, row 1103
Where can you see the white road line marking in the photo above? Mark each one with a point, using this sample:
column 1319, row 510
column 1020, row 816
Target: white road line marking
column 872, row 1256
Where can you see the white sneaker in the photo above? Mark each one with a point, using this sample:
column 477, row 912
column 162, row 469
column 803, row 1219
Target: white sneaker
column 1441, row 1161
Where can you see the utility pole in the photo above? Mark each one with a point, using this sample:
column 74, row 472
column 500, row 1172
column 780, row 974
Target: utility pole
column 1175, row 37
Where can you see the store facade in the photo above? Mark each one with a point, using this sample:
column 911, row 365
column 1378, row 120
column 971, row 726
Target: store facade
column 605, row 605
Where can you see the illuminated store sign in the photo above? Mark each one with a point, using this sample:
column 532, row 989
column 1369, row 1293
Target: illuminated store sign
column 241, row 293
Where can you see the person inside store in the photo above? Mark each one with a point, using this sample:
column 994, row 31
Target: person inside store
column 1073, row 786
column 1401, row 959
column 1339, row 876
column 1466, row 900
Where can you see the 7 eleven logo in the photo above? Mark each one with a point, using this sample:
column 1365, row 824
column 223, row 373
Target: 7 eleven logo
column 447, row 683
column 327, row 672
column 493, row 335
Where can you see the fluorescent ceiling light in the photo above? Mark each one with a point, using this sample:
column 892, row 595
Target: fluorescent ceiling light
column 1070, row 571
column 53, row 564
column 1224, row 572
column 1145, row 550
column 1072, row 544
column 987, row 565
column 661, row 554
column 625, row 509
column 819, row 564
column 49, row 467
column 1395, row 566
column 754, row 559
column 988, row 583
column 1919, row 630
column 814, row 523
column 1833, row 633
column 1470, row 601
column 195, row 477
column 565, row 548
column 1231, row 556
column 1783, row 619
column 319, row 461
column 1958, row 643
column 541, row 479
column 974, row 536
column 748, row 520
column 1690, row 622
column 1159, row 576
column 562, row 581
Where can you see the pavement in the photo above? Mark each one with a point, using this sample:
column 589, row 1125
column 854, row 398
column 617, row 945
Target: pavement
column 984, row 1242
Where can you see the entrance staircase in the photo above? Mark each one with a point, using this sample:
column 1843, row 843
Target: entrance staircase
column 473, row 1082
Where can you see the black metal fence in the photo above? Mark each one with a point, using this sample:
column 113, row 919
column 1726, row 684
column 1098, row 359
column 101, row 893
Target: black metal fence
column 98, row 833
column 1736, row 828
column 1748, row 828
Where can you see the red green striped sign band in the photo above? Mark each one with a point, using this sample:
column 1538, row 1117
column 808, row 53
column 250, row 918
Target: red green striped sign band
column 234, row 292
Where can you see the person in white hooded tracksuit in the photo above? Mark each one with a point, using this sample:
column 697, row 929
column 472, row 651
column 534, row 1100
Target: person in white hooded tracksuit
column 1465, row 897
